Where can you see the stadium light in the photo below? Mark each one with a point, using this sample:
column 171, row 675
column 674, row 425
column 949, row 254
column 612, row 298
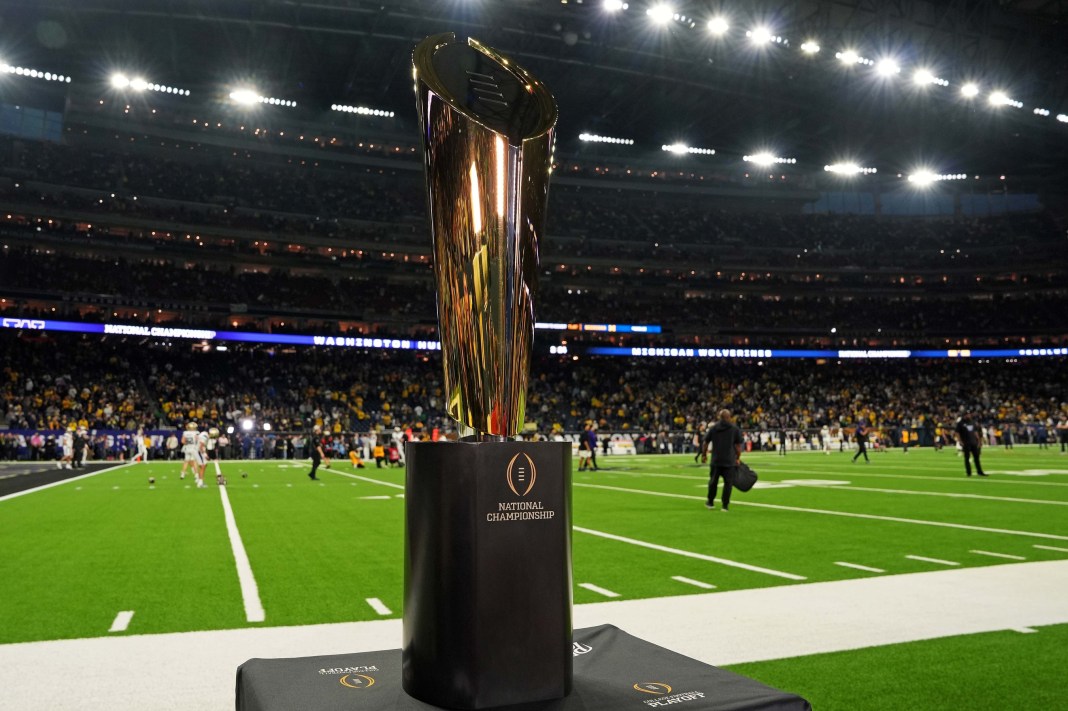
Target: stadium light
column 923, row 77
column 249, row 97
column 614, row 5
column 660, row 14
column 1063, row 118
column 362, row 110
column 999, row 98
column 718, row 26
column 33, row 73
column 764, row 158
column 849, row 57
column 594, row 138
column 246, row 425
column 887, row 67
column 120, row 81
column 1041, row 112
column 266, row 426
column 925, row 177
column 681, row 149
column 922, row 178
column 848, row 169
column 810, row 47
column 969, row 90
column 762, row 35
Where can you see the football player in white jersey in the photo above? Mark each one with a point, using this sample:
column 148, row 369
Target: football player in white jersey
column 189, row 448
column 142, row 450
column 200, row 450
column 66, row 443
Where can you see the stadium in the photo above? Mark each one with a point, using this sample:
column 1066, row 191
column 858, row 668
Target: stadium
column 842, row 221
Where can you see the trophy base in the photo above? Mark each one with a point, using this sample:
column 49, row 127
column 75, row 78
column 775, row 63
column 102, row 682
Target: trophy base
column 487, row 573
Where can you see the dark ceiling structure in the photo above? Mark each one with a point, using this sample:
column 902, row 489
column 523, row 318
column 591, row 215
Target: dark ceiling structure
column 617, row 74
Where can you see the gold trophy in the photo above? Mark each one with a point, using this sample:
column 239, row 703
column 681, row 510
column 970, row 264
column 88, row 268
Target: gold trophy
column 487, row 614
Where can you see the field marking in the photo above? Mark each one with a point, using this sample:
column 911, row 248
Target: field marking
column 363, row 478
column 599, row 590
column 689, row 554
column 695, row 583
column 921, row 477
column 1023, row 630
column 378, row 498
column 999, row 555
column 826, row 512
column 122, row 621
column 250, row 593
column 379, row 606
column 1051, row 548
column 858, row 566
column 947, row 494
column 931, row 560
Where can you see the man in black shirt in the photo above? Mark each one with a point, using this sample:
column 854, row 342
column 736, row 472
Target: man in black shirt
column 968, row 434
column 862, row 442
column 315, row 443
column 725, row 439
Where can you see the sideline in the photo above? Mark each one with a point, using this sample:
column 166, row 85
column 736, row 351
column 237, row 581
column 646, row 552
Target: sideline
column 65, row 481
column 721, row 628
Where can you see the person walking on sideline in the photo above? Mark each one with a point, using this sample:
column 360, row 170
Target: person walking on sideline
column 725, row 440
column 862, row 442
column 970, row 442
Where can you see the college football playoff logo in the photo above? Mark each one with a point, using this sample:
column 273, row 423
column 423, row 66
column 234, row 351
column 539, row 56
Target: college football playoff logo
column 521, row 474
column 653, row 687
column 357, row 681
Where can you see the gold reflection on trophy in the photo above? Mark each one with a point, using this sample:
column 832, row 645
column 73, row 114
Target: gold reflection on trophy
column 488, row 131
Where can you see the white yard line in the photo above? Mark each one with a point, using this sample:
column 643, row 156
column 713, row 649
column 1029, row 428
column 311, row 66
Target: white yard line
column 363, row 478
column 695, row 583
column 948, row 479
column 250, row 593
column 122, row 621
column 999, row 555
column 373, row 498
column 924, row 559
column 858, row 566
column 42, row 487
column 1051, row 548
column 378, row 606
column 950, row 495
column 688, row 554
column 1023, row 630
column 825, row 512
column 599, row 590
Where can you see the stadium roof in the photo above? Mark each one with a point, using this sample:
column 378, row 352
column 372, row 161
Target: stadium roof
column 618, row 73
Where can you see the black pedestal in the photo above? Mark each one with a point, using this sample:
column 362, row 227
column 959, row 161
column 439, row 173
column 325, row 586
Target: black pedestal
column 487, row 573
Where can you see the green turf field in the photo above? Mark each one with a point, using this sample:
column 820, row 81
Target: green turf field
column 76, row 554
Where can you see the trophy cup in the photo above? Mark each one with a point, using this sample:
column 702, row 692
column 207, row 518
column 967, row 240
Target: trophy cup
column 487, row 565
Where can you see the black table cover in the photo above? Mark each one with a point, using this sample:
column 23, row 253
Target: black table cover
column 613, row 672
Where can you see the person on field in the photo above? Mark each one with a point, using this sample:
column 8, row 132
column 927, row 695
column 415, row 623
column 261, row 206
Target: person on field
column 725, row 440
column 317, row 446
column 971, row 443
column 862, row 442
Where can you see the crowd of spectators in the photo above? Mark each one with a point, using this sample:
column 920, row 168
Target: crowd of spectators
column 209, row 294
column 258, row 192
column 125, row 383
